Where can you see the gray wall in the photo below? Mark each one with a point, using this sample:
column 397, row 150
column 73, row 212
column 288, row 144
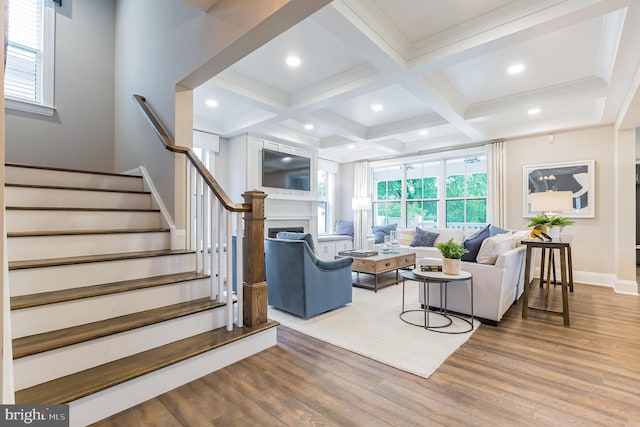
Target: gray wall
column 80, row 134
column 159, row 43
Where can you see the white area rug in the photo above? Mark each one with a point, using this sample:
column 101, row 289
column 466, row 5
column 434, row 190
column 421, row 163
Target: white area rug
column 371, row 326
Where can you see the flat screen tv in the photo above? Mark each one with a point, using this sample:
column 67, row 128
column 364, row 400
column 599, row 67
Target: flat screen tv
column 284, row 170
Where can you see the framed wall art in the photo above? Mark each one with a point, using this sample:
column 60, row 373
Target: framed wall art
column 577, row 177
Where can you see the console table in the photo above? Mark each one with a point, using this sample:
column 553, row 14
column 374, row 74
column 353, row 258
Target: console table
column 548, row 263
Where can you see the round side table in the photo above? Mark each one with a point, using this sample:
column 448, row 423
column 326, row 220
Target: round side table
column 425, row 278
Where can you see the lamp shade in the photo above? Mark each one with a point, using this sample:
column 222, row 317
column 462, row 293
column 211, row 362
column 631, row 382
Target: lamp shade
column 361, row 203
column 552, row 201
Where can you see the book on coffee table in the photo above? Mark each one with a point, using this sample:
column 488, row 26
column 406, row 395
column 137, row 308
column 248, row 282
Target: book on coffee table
column 358, row 253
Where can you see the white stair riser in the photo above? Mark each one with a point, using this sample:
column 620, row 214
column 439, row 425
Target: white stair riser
column 46, row 279
column 46, row 247
column 51, row 317
column 100, row 405
column 18, row 175
column 57, row 198
column 34, row 220
column 65, row 361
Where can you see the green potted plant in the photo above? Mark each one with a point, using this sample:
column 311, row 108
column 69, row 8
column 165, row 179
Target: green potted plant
column 451, row 253
column 555, row 223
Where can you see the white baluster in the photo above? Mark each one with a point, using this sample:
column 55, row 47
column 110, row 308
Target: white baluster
column 220, row 253
column 239, row 268
column 229, row 227
column 213, row 211
column 199, row 223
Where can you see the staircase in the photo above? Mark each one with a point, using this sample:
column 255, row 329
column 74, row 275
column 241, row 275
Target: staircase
column 104, row 314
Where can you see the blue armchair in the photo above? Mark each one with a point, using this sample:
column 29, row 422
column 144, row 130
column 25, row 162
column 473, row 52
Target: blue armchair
column 300, row 283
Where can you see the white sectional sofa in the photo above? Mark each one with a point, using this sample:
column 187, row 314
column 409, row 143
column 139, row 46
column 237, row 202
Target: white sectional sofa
column 496, row 286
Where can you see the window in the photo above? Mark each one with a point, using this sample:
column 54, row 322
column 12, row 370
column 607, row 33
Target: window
column 388, row 189
column 422, row 194
column 28, row 82
column 438, row 193
column 323, row 202
column 326, row 197
column 466, row 192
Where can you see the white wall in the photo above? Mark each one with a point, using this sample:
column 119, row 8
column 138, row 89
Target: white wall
column 80, row 134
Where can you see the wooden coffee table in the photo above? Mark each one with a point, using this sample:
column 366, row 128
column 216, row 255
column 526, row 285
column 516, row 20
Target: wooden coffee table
column 382, row 269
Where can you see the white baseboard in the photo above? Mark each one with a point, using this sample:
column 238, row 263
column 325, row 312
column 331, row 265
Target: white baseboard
column 101, row 405
column 602, row 279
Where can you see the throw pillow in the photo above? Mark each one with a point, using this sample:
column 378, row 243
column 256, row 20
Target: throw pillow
column 493, row 230
column 473, row 245
column 493, row 247
column 288, row 235
column 405, row 236
column 382, row 230
column 345, row 228
column 424, row 238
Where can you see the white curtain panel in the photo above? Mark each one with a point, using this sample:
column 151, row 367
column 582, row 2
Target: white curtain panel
column 496, row 209
column 361, row 220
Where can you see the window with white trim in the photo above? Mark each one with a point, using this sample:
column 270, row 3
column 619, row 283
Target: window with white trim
column 28, row 84
column 446, row 192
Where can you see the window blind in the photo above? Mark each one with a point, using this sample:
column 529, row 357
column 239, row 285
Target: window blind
column 24, row 70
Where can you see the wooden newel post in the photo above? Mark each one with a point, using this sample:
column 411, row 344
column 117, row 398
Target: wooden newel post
column 254, row 284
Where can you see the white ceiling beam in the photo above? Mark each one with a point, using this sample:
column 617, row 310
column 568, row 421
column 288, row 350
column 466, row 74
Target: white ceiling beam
column 404, row 126
column 343, row 127
column 252, row 92
column 588, row 88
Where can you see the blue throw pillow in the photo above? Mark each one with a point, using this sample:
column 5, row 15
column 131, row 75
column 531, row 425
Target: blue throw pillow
column 493, row 230
column 289, row 235
column 424, row 238
column 382, row 230
column 345, row 228
column 473, row 245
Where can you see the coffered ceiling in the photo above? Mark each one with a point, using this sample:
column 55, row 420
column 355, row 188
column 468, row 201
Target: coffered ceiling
column 437, row 68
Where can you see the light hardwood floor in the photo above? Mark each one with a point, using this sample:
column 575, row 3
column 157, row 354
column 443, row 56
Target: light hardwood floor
column 526, row 372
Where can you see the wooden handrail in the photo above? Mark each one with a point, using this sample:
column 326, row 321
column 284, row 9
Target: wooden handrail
column 170, row 145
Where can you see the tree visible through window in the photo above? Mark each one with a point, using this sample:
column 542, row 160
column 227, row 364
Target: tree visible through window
column 419, row 194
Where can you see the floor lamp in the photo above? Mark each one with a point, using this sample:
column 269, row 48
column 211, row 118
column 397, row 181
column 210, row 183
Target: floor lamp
column 359, row 205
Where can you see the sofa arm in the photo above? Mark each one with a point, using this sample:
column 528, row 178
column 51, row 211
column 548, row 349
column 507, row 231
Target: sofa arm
column 335, row 264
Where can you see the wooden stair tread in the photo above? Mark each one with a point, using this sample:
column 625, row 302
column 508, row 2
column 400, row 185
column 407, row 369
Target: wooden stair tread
column 38, row 343
column 65, row 209
column 18, row 265
column 50, row 168
column 53, row 297
column 75, row 386
column 85, row 232
column 60, row 187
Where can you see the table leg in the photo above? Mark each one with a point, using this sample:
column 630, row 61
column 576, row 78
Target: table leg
column 375, row 286
column 565, row 285
column 570, row 268
column 426, row 305
column 403, row 280
column 526, row 283
column 471, row 284
column 542, row 258
column 550, row 266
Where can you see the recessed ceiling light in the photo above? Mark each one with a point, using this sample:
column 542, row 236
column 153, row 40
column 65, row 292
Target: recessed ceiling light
column 533, row 111
column 515, row 69
column 308, row 126
column 293, row 61
column 377, row 107
column 286, row 159
column 351, row 146
column 424, row 132
column 212, row 103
